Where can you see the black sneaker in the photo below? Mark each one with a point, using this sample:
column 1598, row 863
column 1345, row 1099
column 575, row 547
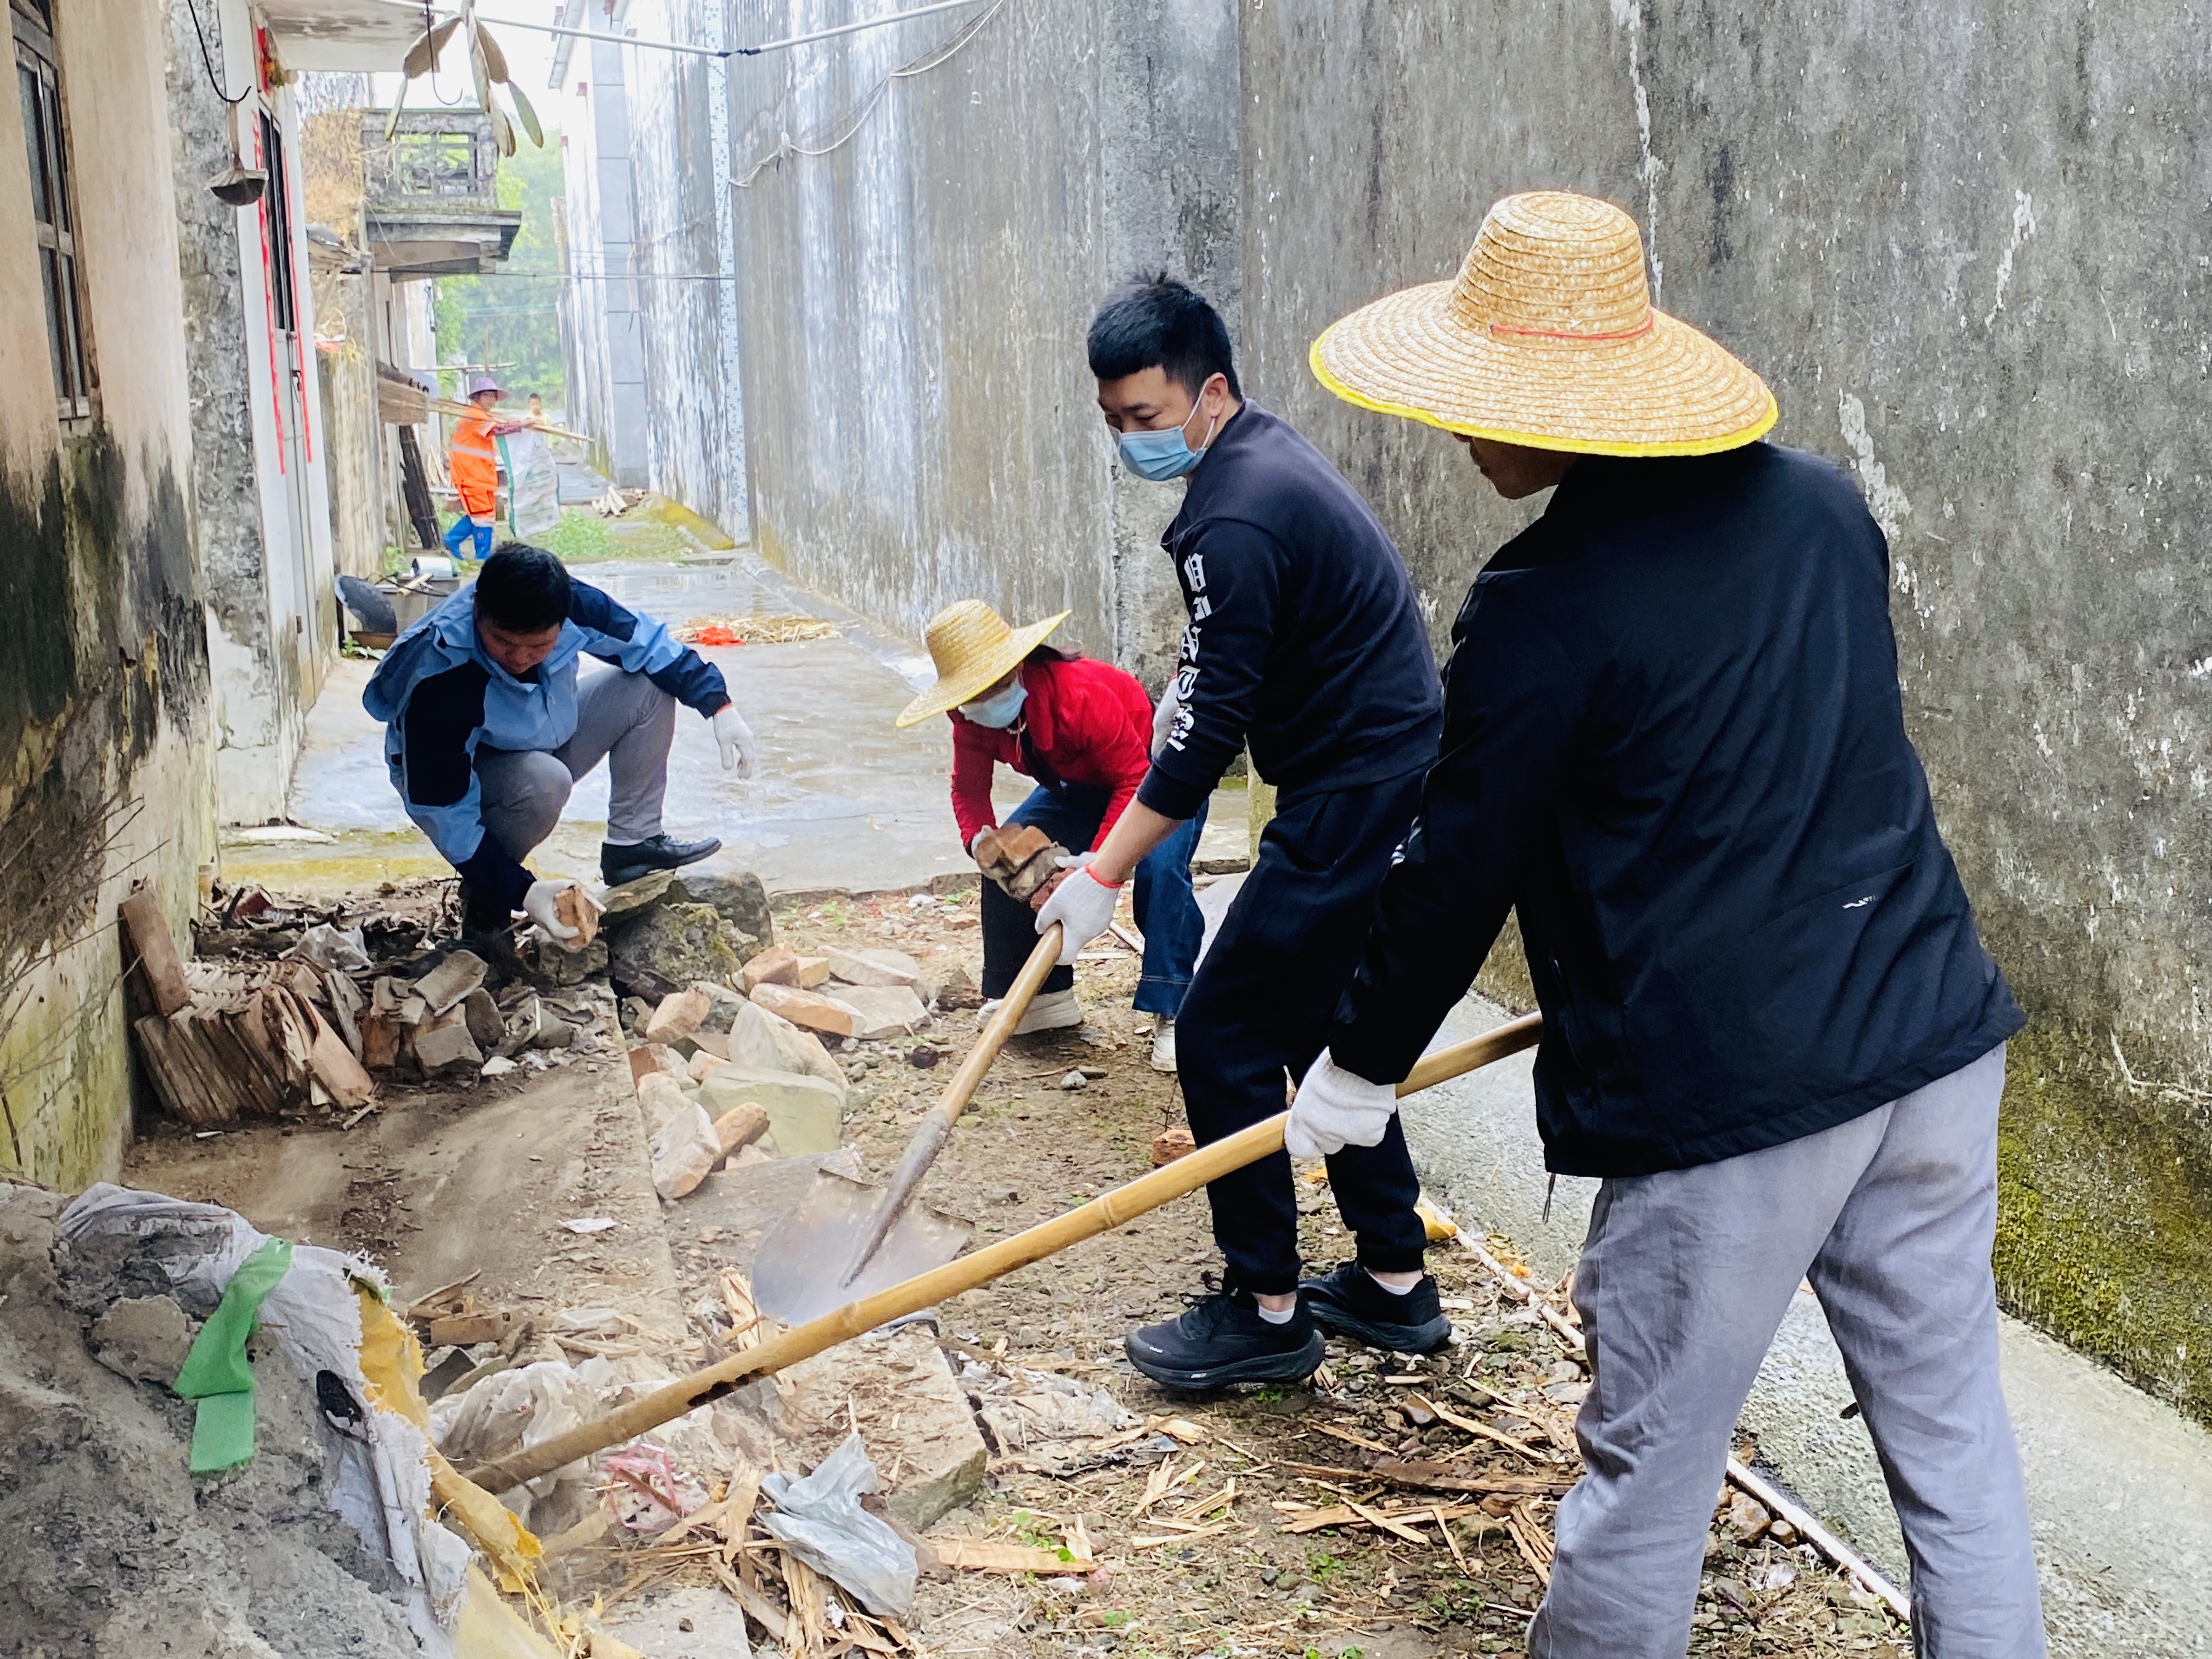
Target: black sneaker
column 1348, row 1303
column 620, row 864
column 1222, row 1339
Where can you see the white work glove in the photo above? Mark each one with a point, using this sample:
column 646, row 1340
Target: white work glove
column 1164, row 716
column 735, row 739
column 1333, row 1109
column 537, row 904
column 1082, row 904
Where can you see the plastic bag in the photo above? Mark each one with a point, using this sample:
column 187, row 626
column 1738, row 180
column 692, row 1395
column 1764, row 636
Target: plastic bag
column 533, row 485
column 327, row 947
column 820, row 1519
column 381, row 1478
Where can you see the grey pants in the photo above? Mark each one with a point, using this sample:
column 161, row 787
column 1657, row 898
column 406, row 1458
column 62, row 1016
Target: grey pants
column 623, row 719
column 1683, row 1282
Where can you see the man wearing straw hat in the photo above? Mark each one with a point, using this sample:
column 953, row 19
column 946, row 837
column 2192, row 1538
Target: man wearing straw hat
column 1674, row 746
column 1305, row 643
column 1081, row 730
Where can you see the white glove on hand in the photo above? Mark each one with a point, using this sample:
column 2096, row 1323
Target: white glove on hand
column 537, row 904
column 1334, row 1110
column 736, row 740
column 1164, row 716
column 1082, row 904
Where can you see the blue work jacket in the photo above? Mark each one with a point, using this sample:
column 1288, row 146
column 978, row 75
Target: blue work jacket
column 441, row 699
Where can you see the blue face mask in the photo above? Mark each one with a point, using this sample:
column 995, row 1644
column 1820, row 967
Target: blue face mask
column 998, row 710
column 1162, row 455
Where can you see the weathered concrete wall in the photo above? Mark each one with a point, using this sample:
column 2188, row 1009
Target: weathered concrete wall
column 693, row 417
column 259, row 499
column 104, row 676
column 605, row 356
column 919, row 421
column 1966, row 245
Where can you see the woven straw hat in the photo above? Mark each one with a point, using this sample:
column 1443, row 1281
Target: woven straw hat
column 973, row 648
column 1546, row 338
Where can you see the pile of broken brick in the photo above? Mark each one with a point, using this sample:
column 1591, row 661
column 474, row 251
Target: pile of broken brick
column 742, row 1072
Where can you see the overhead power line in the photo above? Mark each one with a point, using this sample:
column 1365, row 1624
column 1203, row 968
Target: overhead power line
column 724, row 51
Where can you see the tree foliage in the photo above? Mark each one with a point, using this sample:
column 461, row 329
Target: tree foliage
column 512, row 317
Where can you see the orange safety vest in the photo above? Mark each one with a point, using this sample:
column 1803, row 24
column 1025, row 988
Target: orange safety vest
column 474, row 460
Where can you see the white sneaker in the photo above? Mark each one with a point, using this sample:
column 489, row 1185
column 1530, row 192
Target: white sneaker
column 1055, row 1011
column 1163, row 1058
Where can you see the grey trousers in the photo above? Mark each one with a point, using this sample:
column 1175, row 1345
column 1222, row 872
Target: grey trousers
column 623, row 719
column 1683, row 1282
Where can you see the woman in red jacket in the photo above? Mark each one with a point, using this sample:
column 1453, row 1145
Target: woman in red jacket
column 1083, row 730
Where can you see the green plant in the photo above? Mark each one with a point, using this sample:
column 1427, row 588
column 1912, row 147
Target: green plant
column 1321, row 1567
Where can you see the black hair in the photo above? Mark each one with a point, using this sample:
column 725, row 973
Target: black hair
column 1051, row 654
column 523, row 588
column 1156, row 322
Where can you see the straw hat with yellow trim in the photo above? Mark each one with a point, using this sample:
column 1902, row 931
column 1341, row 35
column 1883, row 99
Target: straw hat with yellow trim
column 973, row 649
column 1546, row 338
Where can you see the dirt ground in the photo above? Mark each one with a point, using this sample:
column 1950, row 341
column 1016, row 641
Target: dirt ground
column 1211, row 1567
column 1222, row 1525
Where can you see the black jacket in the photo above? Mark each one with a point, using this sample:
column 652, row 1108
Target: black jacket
column 1305, row 639
column 1673, row 741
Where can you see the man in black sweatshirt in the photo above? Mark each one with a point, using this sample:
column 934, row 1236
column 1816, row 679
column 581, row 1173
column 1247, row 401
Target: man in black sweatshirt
column 1674, row 746
column 1305, row 643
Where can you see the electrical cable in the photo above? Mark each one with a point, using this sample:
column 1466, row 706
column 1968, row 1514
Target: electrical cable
column 207, row 60
column 853, row 122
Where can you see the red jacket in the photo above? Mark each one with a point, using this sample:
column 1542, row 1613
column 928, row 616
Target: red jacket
column 1091, row 723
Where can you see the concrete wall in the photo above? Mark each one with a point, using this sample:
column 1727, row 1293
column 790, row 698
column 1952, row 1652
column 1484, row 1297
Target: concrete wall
column 104, row 678
column 911, row 307
column 687, row 315
column 258, row 492
column 606, row 364
column 1966, row 245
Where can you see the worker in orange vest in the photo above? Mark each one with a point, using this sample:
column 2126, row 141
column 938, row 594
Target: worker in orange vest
column 475, row 466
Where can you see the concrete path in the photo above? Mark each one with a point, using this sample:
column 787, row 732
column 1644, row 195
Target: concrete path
column 845, row 800
column 2120, row 1485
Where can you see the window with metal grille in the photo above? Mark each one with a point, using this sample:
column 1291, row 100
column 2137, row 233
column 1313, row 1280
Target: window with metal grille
column 52, row 208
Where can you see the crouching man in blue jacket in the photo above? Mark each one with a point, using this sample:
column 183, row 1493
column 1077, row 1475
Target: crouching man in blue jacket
column 487, row 729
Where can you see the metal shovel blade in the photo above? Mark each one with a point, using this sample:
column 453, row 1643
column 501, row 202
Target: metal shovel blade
column 799, row 1269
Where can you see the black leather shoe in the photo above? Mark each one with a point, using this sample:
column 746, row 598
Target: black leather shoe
column 1222, row 1339
column 1348, row 1303
column 620, row 864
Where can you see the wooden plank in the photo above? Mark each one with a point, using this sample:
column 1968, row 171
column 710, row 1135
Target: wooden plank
column 153, row 952
column 335, row 1067
column 178, row 1099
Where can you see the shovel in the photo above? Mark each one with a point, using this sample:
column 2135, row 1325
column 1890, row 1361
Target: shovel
column 844, row 1241
column 1124, row 1204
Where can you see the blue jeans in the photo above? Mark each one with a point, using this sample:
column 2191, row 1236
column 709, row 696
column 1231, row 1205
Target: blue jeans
column 467, row 529
column 1167, row 910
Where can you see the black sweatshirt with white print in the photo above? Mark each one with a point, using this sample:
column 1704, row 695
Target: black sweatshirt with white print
column 1305, row 639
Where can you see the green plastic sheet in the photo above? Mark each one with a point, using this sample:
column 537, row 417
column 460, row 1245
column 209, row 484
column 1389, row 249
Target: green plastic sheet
column 216, row 1373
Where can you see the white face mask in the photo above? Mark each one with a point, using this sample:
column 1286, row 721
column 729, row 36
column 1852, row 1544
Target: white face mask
column 1000, row 710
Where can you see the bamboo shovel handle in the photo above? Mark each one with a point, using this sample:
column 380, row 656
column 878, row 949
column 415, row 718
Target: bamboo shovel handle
column 1186, row 1175
column 1000, row 1026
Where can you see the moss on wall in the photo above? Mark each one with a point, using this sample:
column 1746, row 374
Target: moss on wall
column 2105, row 1211
column 104, row 692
